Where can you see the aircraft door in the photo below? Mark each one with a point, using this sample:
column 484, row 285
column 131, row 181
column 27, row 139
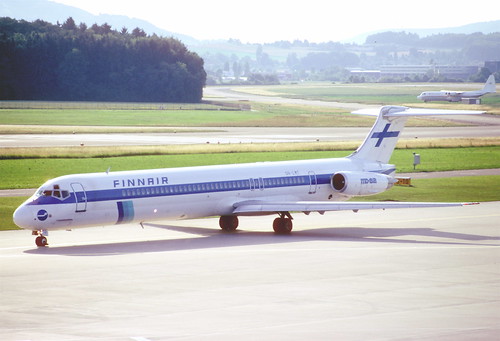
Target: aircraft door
column 256, row 184
column 80, row 196
column 313, row 182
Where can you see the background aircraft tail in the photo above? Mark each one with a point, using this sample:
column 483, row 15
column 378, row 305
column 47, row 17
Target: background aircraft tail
column 381, row 141
column 490, row 85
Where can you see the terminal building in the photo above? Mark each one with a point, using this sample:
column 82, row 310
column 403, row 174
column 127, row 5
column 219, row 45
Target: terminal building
column 401, row 71
column 450, row 71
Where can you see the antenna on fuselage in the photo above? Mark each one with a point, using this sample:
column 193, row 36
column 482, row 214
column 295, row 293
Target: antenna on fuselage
column 107, row 171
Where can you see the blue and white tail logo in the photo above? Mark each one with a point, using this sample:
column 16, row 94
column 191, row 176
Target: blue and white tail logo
column 381, row 141
column 384, row 134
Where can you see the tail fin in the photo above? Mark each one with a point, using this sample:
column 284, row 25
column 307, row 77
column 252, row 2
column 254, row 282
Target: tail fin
column 490, row 85
column 381, row 141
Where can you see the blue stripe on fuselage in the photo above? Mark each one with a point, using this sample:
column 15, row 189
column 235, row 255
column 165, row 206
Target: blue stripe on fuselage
column 255, row 184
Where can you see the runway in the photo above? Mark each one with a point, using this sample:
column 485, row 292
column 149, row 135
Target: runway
column 237, row 135
column 419, row 274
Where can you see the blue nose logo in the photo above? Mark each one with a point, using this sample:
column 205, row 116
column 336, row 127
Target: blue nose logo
column 42, row 215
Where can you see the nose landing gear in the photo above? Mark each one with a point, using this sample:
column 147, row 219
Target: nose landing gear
column 41, row 240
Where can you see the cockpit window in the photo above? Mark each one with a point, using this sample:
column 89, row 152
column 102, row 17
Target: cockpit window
column 55, row 192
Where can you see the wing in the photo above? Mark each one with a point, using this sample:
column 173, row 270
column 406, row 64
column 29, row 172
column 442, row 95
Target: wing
column 265, row 207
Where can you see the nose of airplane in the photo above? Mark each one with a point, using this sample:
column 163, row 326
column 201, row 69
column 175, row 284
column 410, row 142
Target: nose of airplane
column 23, row 217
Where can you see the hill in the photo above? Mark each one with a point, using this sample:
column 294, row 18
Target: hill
column 31, row 10
column 483, row 27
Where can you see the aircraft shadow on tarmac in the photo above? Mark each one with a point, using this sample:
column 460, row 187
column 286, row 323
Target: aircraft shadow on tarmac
column 214, row 238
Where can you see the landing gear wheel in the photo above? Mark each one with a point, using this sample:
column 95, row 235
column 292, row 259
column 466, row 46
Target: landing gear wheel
column 228, row 223
column 282, row 225
column 41, row 241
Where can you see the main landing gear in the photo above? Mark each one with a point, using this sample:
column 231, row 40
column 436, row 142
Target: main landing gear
column 41, row 240
column 281, row 225
column 228, row 223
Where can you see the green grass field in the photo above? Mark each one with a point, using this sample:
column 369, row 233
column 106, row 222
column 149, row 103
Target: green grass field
column 456, row 189
column 268, row 115
column 7, row 207
column 30, row 173
column 377, row 93
column 82, row 117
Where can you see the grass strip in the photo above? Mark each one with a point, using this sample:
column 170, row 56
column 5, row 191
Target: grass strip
column 456, row 189
column 30, row 173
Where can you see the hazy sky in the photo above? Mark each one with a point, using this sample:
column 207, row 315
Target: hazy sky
column 271, row 20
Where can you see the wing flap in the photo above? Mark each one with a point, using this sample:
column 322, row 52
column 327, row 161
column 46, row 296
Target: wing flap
column 263, row 207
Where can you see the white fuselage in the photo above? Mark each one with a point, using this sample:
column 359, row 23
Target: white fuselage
column 99, row 199
column 449, row 96
column 457, row 96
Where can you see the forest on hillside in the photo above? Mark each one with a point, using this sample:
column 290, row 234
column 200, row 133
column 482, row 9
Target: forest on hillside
column 42, row 61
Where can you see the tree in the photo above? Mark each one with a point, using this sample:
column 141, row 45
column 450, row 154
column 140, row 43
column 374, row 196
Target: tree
column 69, row 24
column 82, row 27
column 72, row 76
column 138, row 32
column 41, row 61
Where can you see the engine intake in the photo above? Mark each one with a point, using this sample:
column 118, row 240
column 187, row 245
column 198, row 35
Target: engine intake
column 360, row 183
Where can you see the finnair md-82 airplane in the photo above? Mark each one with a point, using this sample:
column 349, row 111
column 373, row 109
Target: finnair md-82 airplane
column 457, row 96
column 227, row 191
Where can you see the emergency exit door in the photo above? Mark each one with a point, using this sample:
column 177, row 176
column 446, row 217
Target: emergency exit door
column 80, row 196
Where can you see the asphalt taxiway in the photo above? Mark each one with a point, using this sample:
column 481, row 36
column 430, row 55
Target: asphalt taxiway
column 404, row 274
column 236, row 135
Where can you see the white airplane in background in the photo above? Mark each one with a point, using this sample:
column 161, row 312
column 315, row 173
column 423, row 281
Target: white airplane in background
column 457, row 96
column 227, row 191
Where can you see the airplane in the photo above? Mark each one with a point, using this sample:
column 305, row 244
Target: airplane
column 228, row 191
column 457, row 96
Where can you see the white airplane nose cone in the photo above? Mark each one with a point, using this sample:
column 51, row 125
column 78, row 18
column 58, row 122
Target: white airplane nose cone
column 22, row 217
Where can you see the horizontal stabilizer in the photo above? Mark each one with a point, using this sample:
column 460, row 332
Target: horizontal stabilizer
column 399, row 111
column 381, row 141
column 263, row 207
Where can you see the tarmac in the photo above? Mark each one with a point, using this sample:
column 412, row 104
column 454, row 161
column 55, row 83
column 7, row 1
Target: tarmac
column 404, row 274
